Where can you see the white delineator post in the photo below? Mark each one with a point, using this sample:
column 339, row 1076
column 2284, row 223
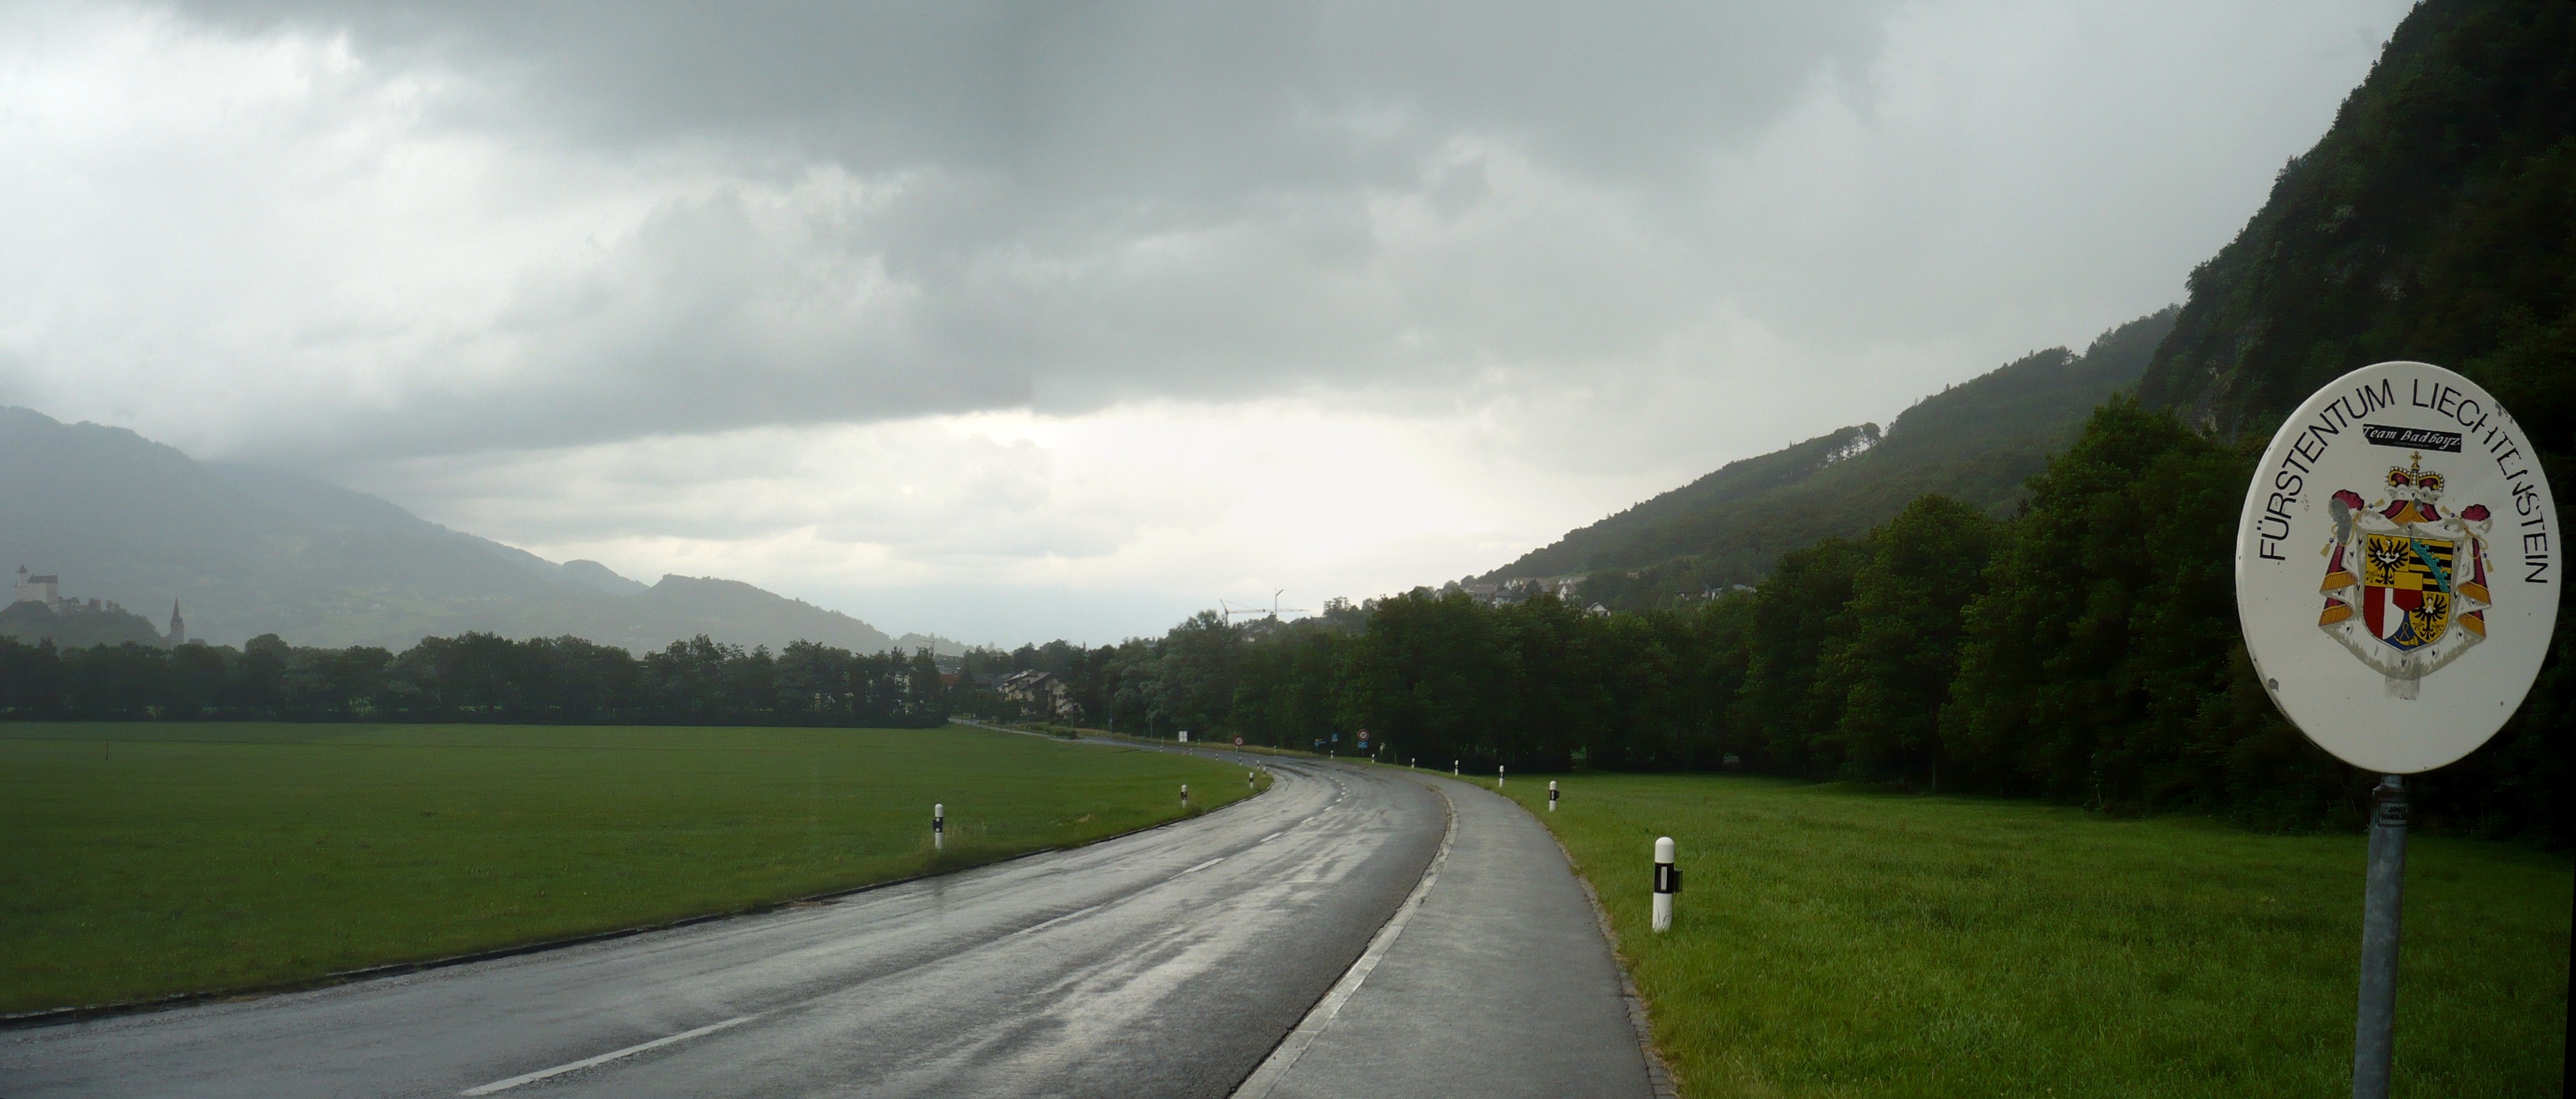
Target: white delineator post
column 938, row 826
column 1247, row 781
column 1498, row 774
column 1551, row 795
column 1668, row 881
column 1185, row 795
column 1453, row 767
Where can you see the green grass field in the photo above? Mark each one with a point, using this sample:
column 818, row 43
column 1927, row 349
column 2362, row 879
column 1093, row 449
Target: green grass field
column 1838, row 942
column 142, row 860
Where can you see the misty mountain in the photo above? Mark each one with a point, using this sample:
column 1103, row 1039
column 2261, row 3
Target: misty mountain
column 1977, row 441
column 247, row 551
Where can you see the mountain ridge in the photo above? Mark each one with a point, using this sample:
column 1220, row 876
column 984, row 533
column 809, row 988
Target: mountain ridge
column 249, row 550
column 1978, row 440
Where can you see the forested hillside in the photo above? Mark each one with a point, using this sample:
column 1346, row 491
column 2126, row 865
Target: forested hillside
column 2436, row 221
column 1977, row 441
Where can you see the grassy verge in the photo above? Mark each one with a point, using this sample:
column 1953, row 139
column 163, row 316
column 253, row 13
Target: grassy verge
column 1838, row 942
column 144, row 860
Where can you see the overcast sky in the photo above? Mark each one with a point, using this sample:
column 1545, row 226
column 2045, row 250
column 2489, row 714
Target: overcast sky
column 1019, row 321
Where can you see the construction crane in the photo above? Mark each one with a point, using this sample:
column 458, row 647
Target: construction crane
column 1275, row 609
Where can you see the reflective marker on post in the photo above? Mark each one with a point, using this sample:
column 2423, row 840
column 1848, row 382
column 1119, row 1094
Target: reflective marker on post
column 938, row 826
column 1668, row 881
column 1551, row 795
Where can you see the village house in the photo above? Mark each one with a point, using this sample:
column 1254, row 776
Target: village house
column 1045, row 692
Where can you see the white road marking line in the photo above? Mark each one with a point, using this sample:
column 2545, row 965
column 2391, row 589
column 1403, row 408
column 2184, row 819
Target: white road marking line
column 1060, row 919
column 1201, row 866
column 587, row 1062
column 1275, row 1067
column 1270, row 837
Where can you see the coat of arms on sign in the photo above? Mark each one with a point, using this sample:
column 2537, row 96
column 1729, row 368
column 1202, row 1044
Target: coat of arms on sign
column 2406, row 584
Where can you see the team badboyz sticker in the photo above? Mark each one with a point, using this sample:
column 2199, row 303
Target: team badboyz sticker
column 2396, row 568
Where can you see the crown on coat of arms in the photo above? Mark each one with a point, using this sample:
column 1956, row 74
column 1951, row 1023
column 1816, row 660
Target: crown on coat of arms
column 2426, row 485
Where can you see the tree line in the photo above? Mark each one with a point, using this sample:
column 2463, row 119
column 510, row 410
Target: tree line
column 2085, row 650
column 474, row 677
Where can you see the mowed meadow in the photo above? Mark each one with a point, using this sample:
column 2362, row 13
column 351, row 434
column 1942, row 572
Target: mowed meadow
column 1834, row 941
column 145, row 860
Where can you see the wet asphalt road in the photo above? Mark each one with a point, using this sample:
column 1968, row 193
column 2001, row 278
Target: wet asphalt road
column 1168, row 962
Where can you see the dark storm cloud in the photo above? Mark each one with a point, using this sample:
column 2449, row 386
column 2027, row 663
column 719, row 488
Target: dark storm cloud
column 1085, row 102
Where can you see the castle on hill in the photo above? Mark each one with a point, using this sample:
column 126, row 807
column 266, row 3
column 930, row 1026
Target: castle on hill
column 46, row 590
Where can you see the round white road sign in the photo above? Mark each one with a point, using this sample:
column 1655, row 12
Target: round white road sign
column 2397, row 567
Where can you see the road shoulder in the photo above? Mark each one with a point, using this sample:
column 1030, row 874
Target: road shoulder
column 1501, row 984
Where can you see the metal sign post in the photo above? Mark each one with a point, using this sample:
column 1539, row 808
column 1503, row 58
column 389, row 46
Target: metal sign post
column 2383, row 891
column 2397, row 575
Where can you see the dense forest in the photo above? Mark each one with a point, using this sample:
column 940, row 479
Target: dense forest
column 474, row 677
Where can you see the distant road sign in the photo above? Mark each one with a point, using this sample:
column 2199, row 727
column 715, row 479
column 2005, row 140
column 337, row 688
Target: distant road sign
column 2397, row 567
column 1238, row 742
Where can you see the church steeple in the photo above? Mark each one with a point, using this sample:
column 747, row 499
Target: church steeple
column 178, row 626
